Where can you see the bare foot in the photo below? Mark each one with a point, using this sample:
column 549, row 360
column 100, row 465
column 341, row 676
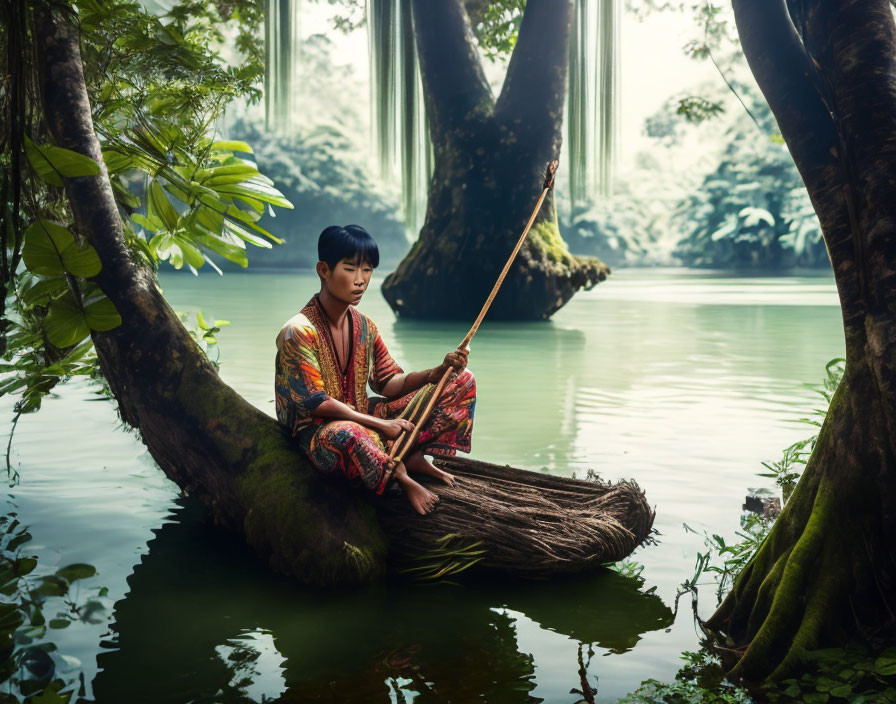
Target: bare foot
column 423, row 500
column 418, row 463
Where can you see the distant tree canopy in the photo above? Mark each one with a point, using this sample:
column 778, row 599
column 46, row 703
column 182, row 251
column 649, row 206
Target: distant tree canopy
column 751, row 210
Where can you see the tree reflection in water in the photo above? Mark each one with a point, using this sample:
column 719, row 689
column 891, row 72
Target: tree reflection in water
column 205, row 621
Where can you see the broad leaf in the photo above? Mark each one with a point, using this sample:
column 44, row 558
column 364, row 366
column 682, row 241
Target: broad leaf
column 50, row 249
column 52, row 163
column 65, row 323
column 101, row 315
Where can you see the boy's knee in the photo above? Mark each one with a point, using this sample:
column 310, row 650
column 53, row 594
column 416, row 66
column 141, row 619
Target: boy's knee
column 341, row 432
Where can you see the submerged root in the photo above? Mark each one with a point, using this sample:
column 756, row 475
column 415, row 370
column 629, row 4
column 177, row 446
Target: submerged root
column 801, row 586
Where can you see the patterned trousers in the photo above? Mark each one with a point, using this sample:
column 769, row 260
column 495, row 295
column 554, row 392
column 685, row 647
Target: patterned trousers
column 360, row 453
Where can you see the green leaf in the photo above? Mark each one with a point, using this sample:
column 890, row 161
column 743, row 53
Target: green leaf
column 231, row 146
column 244, row 234
column 191, row 254
column 885, row 666
column 59, row 623
column 52, row 585
column 76, row 571
column 223, row 175
column 116, row 162
column 52, row 163
column 102, row 315
column 843, row 690
column 161, row 207
column 229, row 251
column 43, row 290
column 25, row 565
column 50, row 249
column 153, row 223
column 253, row 189
column 65, row 324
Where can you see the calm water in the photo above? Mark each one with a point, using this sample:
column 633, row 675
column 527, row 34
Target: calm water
column 685, row 381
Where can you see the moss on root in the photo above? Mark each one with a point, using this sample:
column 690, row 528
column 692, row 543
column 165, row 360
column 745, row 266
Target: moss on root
column 794, row 595
column 306, row 527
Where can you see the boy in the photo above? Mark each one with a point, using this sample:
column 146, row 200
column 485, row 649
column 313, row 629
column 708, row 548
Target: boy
column 326, row 356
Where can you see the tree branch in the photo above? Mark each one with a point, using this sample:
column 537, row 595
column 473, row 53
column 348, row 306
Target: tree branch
column 535, row 86
column 454, row 83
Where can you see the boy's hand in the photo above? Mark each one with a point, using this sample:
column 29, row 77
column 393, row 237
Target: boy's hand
column 456, row 359
column 393, row 428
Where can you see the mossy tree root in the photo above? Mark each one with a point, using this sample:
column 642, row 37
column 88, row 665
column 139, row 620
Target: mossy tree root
column 808, row 586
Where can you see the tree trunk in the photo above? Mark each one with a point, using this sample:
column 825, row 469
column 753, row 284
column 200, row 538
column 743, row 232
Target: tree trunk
column 205, row 437
column 490, row 159
column 827, row 571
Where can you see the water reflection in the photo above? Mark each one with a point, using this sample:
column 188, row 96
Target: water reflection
column 203, row 616
column 527, row 374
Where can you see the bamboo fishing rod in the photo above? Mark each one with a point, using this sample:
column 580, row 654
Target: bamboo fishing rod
column 404, row 441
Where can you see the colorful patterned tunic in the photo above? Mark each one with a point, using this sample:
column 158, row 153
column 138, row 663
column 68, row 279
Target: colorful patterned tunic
column 307, row 374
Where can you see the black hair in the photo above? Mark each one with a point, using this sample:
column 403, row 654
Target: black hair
column 352, row 241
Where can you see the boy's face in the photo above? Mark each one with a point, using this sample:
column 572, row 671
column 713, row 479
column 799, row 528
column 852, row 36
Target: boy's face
column 347, row 281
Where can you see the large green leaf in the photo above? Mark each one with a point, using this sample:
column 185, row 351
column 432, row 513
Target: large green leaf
column 116, row 161
column 102, row 315
column 52, row 163
column 191, row 254
column 43, row 290
column 223, row 174
column 244, row 234
column 78, row 570
column 65, row 323
column 50, row 249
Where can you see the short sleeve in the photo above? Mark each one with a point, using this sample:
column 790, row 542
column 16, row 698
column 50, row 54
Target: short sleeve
column 383, row 367
column 299, row 385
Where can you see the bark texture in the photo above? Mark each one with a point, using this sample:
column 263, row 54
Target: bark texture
column 827, row 571
column 490, row 157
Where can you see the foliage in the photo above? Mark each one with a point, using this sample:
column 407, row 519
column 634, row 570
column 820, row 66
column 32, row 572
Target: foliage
column 203, row 328
column 495, row 23
column 633, row 226
column 317, row 171
column 700, row 681
column 156, row 85
column 32, row 666
column 449, row 556
column 752, row 209
column 851, row 674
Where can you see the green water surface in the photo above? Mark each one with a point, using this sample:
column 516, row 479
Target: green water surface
column 683, row 380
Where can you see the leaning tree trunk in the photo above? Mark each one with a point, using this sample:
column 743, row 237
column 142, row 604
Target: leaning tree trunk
column 205, row 437
column 490, row 158
column 827, row 571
